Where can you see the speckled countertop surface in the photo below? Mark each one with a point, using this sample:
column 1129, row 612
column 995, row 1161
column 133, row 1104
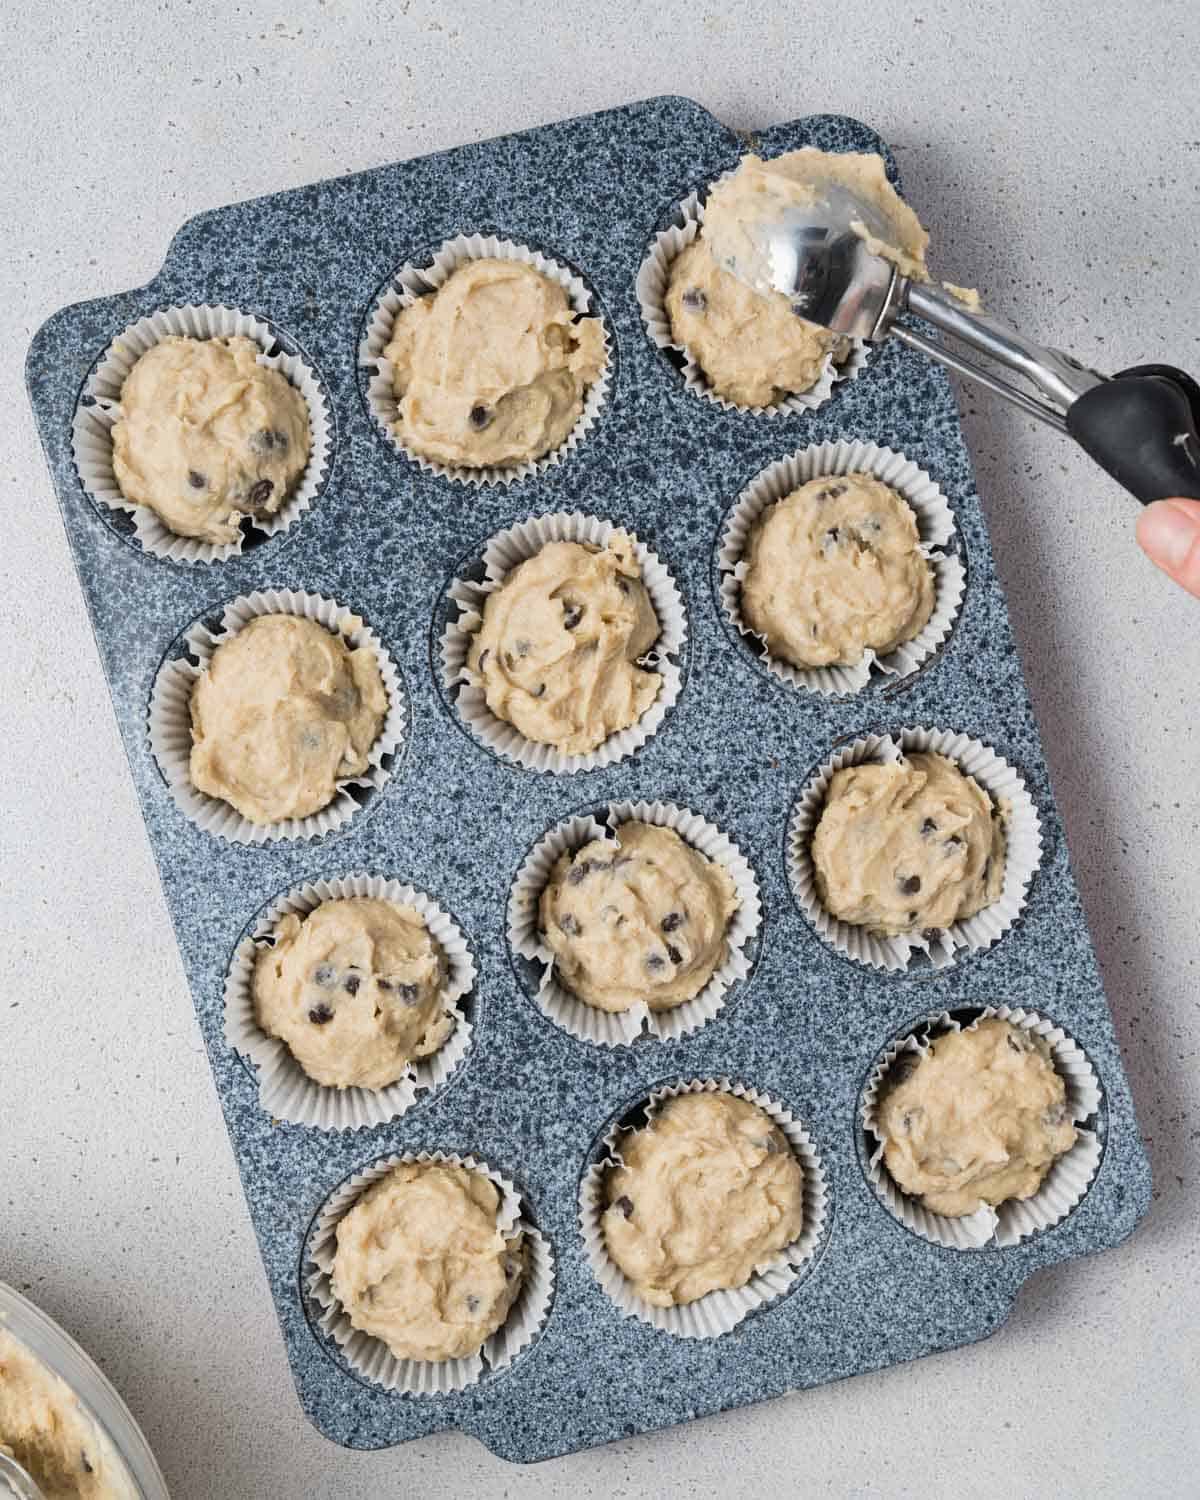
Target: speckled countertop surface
column 136, row 1176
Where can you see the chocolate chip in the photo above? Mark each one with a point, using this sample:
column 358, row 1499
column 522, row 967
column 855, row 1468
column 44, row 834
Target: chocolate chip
column 674, row 954
column 579, row 871
column 197, row 480
column 910, row 884
column 831, row 537
column 522, row 647
column 325, row 975
column 320, row 1014
column 572, row 614
column 539, row 691
column 569, row 924
column 907, row 1118
column 483, row 658
column 472, row 1303
column 260, row 494
column 928, row 826
column 266, row 440
column 694, row 299
column 831, row 492
column 352, row 983
column 480, row 417
column 623, row 584
column 624, row 1205
column 954, row 841
column 655, row 961
column 672, row 921
column 83, row 1459
column 409, row 993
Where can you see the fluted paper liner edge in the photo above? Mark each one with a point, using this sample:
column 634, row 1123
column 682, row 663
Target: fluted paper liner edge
column 1062, row 1188
column 285, row 1091
column 98, row 411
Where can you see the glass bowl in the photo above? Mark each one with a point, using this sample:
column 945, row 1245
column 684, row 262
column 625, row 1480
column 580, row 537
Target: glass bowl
column 62, row 1356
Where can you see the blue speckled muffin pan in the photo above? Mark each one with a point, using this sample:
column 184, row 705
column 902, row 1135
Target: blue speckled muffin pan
column 456, row 821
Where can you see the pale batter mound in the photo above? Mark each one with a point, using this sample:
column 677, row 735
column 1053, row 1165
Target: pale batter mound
column 355, row 989
column 561, row 638
column 641, row 919
column 835, row 568
column 422, row 1263
column 751, row 346
column 208, row 436
column 764, row 190
column 492, row 368
column 283, row 712
column 44, row 1426
column 710, row 1189
column 904, row 847
column 980, row 1119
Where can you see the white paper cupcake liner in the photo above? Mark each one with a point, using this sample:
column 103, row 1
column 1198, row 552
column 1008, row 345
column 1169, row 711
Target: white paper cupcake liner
column 653, row 281
column 411, row 282
column 500, row 556
column 1063, row 1186
column 1023, row 854
column 935, row 525
column 619, row 1028
column 716, row 1312
column 99, row 410
column 170, row 719
column 285, row 1090
column 370, row 1356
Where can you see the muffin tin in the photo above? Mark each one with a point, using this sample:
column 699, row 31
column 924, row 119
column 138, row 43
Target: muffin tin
column 386, row 538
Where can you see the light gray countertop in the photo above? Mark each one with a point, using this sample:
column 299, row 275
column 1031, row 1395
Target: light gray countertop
column 1054, row 153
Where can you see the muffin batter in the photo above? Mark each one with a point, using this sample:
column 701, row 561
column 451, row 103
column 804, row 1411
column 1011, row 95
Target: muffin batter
column 643, row 919
column 979, row 1119
column 558, row 649
column 421, row 1262
column 900, row 848
column 765, row 190
column 50, row 1433
column 355, row 991
column 208, row 436
column 834, row 568
column 284, row 711
column 710, row 1189
column 491, row 369
column 751, row 346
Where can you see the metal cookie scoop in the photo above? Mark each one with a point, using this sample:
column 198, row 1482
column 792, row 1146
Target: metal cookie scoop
column 1140, row 425
column 15, row 1481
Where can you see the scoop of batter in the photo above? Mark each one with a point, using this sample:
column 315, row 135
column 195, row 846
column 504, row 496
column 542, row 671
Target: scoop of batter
column 422, row 1264
column 709, row 1190
column 643, row 919
column 52, row 1436
column 492, row 367
column 558, row 649
column 208, row 436
column 753, row 348
column 355, row 991
column 834, row 568
column 284, row 711
column 904, row 847
column 761, row 191
column 979, row 1119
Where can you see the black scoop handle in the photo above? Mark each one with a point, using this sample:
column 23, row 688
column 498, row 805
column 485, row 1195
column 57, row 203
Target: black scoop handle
column 1142, row 426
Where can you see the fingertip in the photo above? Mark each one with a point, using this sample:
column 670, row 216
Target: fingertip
column 1168, row 532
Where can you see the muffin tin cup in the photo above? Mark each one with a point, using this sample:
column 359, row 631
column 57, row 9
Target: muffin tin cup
column 1063, row 1186
column 588, row 1023
column 500, row 556
column 653, row 281
column 169, row 720
column 285, row 1090
column 935, row 525
column 973, row 934
column 408, row 285
column 99, row 410
column 717, row 1312
column 371, row 1357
